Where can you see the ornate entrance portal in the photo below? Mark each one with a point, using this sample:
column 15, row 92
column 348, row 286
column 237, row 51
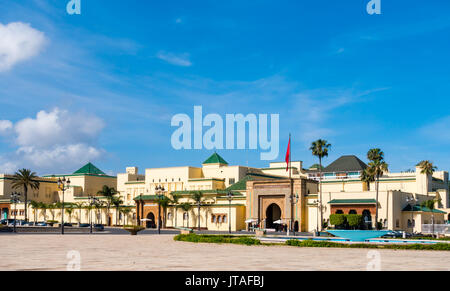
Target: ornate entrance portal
column 273, row 213
column 150, row 223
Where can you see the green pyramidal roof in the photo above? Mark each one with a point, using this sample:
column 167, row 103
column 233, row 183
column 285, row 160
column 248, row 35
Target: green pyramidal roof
column 215, row 159
column 89, row 168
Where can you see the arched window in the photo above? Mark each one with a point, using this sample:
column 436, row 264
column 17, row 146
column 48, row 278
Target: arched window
column 339, row 212
column 409, row 223
column 225, row 219
column 352, row 212
column 220, row 218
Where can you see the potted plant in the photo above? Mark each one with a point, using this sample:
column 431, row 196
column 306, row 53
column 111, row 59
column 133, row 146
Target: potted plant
column 133, row 229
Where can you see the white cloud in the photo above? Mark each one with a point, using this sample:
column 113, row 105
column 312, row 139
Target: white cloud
column 18, row 42
column 5, row 126
column 56, row 140
column 57, row 127
column 181, row 60
column 59, row 156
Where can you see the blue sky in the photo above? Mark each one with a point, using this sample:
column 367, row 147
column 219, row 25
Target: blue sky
column 107, row 82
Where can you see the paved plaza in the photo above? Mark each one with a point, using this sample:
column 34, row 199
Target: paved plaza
column 153, row 252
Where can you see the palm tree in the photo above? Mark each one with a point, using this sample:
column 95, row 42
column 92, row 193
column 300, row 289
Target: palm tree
column 43, row 208
column 368, row 176
column 377, row 167
column 199, row 199
column 25, row 179
column 98, row 207
column 108, row 193
column 125, row 211
column 69, row 210
column 176, row 202
column 428, row 169
column 186, row 207
column 117, row 202
column 52, row 208
column 35, row 207
column 164, row 202
column 79, row 206
column 319, row 148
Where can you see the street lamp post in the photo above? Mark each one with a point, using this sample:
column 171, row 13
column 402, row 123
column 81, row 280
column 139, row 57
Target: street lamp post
column 294, row 200
column 159, row 192
column 63, row 185
column 15, row 199
column 230, row 198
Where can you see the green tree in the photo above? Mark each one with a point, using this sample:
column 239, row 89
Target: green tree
column 199, row 200
column 186, row 207
column 109, row 193
column 43, row 208
column 163, row 202
column 176, row 202
column 35, row 207
column 117, row 202
column 69, row 210
column 376, row 167
column 368, row 176
column 337, row 220
column 354, row 220
column 126, row 212
column 79, row 206
column 25, row 179
column 319, row 149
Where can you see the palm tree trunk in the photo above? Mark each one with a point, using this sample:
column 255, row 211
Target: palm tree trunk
column 199, row 216
column 176, row 216
column 26, row 200
column 320, row 190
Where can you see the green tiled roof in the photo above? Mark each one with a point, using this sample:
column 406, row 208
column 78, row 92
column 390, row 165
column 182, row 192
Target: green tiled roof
column 353, row 201
column 146, row 197
column 215, row 159
column 242, row 184
column 418, row 208
column 89, row 168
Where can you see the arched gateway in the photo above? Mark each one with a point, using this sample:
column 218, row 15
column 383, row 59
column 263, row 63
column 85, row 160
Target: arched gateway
column 150, row 223
column 273, row 213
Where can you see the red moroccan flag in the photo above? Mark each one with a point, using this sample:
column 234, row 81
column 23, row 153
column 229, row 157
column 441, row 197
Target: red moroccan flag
column 288, row 155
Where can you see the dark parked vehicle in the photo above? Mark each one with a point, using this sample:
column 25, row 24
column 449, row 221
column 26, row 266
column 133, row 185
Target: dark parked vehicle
column 84, row 225
column 68, row 225
column 99, row 227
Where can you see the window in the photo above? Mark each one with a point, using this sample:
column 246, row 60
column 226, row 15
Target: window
column 170, row 215
column 232, row 181
column 213, row 219
column 225, row 219
column 220, row 219
column 397, row 223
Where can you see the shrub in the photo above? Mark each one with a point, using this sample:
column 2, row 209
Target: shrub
column 337, row 219
column 354, row 220
column 329, row 244
column 219, row 239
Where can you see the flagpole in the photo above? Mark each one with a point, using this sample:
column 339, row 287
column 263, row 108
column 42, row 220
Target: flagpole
column 290, row 182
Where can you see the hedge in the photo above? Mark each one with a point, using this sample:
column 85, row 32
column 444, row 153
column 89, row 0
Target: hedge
column 337, row 219
column 329, row 244
column 220, row 239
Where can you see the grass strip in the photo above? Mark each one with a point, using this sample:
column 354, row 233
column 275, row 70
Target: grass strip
column 218, row 239
column 326, row 244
